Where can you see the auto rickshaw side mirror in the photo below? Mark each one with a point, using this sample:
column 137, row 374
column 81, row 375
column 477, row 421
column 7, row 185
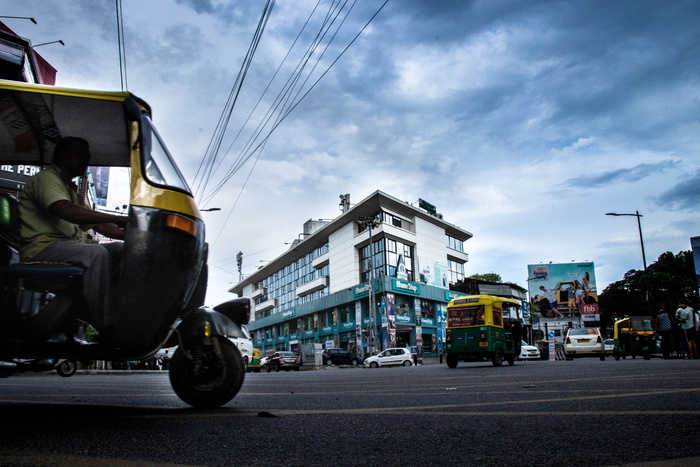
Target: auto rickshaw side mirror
column 237, row 310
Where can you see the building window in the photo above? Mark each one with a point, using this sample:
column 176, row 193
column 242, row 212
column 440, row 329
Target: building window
column 456, row 271
column 385, row 259
column 454, row 243
column 282, row 284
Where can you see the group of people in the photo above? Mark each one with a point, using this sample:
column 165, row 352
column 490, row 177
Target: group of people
column 680, row 331
column 576, row 295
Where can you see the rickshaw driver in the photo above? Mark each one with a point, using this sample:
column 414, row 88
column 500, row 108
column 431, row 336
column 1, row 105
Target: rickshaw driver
column 51, row 215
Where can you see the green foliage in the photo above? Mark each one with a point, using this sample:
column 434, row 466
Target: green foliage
column 489, row 276
column 666, row 281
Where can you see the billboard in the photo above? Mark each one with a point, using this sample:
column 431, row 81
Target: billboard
column 563, row 291
column 695, row 246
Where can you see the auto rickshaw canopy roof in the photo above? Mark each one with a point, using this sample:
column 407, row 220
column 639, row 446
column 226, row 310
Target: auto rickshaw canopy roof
column 642, row 325
column 34, row 117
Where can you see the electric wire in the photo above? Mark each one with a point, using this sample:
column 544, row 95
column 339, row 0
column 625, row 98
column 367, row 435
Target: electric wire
column 122, row 48
column 209, row 161
column 288, row 99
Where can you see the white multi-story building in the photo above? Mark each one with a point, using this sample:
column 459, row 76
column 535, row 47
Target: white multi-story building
column 320, row 290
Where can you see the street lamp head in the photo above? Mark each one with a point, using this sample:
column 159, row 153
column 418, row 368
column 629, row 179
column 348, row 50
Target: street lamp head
column 47, row 43
column 20, row 17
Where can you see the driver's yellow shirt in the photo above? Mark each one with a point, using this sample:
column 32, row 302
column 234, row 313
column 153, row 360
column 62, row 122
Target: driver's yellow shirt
column 38, row 227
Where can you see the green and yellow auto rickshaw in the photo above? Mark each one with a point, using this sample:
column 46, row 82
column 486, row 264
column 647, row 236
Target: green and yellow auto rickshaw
column 254, row 363
column 634, row 336
column 482, row 328
column 161, row 288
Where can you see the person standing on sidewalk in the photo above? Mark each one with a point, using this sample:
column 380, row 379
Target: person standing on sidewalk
column 686, row 317
column 665, row 329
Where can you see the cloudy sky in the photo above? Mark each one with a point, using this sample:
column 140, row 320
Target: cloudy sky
column 524, row 122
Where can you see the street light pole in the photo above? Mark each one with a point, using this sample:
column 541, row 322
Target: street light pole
column 639, row 225
column 641, row 241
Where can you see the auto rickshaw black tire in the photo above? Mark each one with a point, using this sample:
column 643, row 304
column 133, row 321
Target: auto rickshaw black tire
column 616, row 355
column 452, row 361
column 497, row 358
column 647, row 355
column 220, row 382
column 66, row 368
column 511, row 360
column 602, row 358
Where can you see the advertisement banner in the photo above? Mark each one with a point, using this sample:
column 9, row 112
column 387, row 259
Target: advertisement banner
column 391, row 318
column 358, row 326
column 695, row 246
column 563, row 290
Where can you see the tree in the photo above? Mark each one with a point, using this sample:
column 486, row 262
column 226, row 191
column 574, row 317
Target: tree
column 667, row 280
column 489, row 276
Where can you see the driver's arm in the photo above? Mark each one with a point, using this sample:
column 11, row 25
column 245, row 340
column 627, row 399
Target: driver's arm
column 107, row 224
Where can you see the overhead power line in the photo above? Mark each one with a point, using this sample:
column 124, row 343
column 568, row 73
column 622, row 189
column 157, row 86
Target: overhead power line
column 293, row 92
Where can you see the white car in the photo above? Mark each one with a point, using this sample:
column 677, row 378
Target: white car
column 528, row 352
column 584, row 342
column 245, row 345
column 395, row 356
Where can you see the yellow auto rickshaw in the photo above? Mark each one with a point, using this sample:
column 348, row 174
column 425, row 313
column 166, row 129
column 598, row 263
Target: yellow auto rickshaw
column 254, row 363
column 162, row 282
column 634, row 336
column 482, row 328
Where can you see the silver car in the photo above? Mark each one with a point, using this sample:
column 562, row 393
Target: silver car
column 388, row 357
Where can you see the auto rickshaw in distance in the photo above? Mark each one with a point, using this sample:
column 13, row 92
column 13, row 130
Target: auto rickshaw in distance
column 254, row 363
column 161, row 286
column 482, row 328
column 634, row 336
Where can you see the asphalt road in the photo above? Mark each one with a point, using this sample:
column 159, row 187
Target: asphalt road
column 582, row 412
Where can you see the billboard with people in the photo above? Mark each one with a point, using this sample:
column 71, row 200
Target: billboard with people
column 564, row 291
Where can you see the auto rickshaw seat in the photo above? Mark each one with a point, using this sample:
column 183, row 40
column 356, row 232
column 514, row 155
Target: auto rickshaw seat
column 37, row 276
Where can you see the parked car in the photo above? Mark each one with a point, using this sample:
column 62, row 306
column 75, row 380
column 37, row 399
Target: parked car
column 395, row 356
column 528, row 352
column 609, row 346
column 340, row 357
column 584, row 342
column 283, row 361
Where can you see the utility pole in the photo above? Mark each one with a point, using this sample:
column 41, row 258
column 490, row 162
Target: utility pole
column 370, row 222
column 239, row 262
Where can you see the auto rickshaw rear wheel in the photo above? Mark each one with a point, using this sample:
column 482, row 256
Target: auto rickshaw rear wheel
column 66, row 368
column 497, row 358
column 212, row 383
column 452, row 361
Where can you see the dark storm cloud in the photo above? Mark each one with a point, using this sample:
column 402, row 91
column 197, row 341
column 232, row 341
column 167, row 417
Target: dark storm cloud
column 632, row 174
column 685, row 195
